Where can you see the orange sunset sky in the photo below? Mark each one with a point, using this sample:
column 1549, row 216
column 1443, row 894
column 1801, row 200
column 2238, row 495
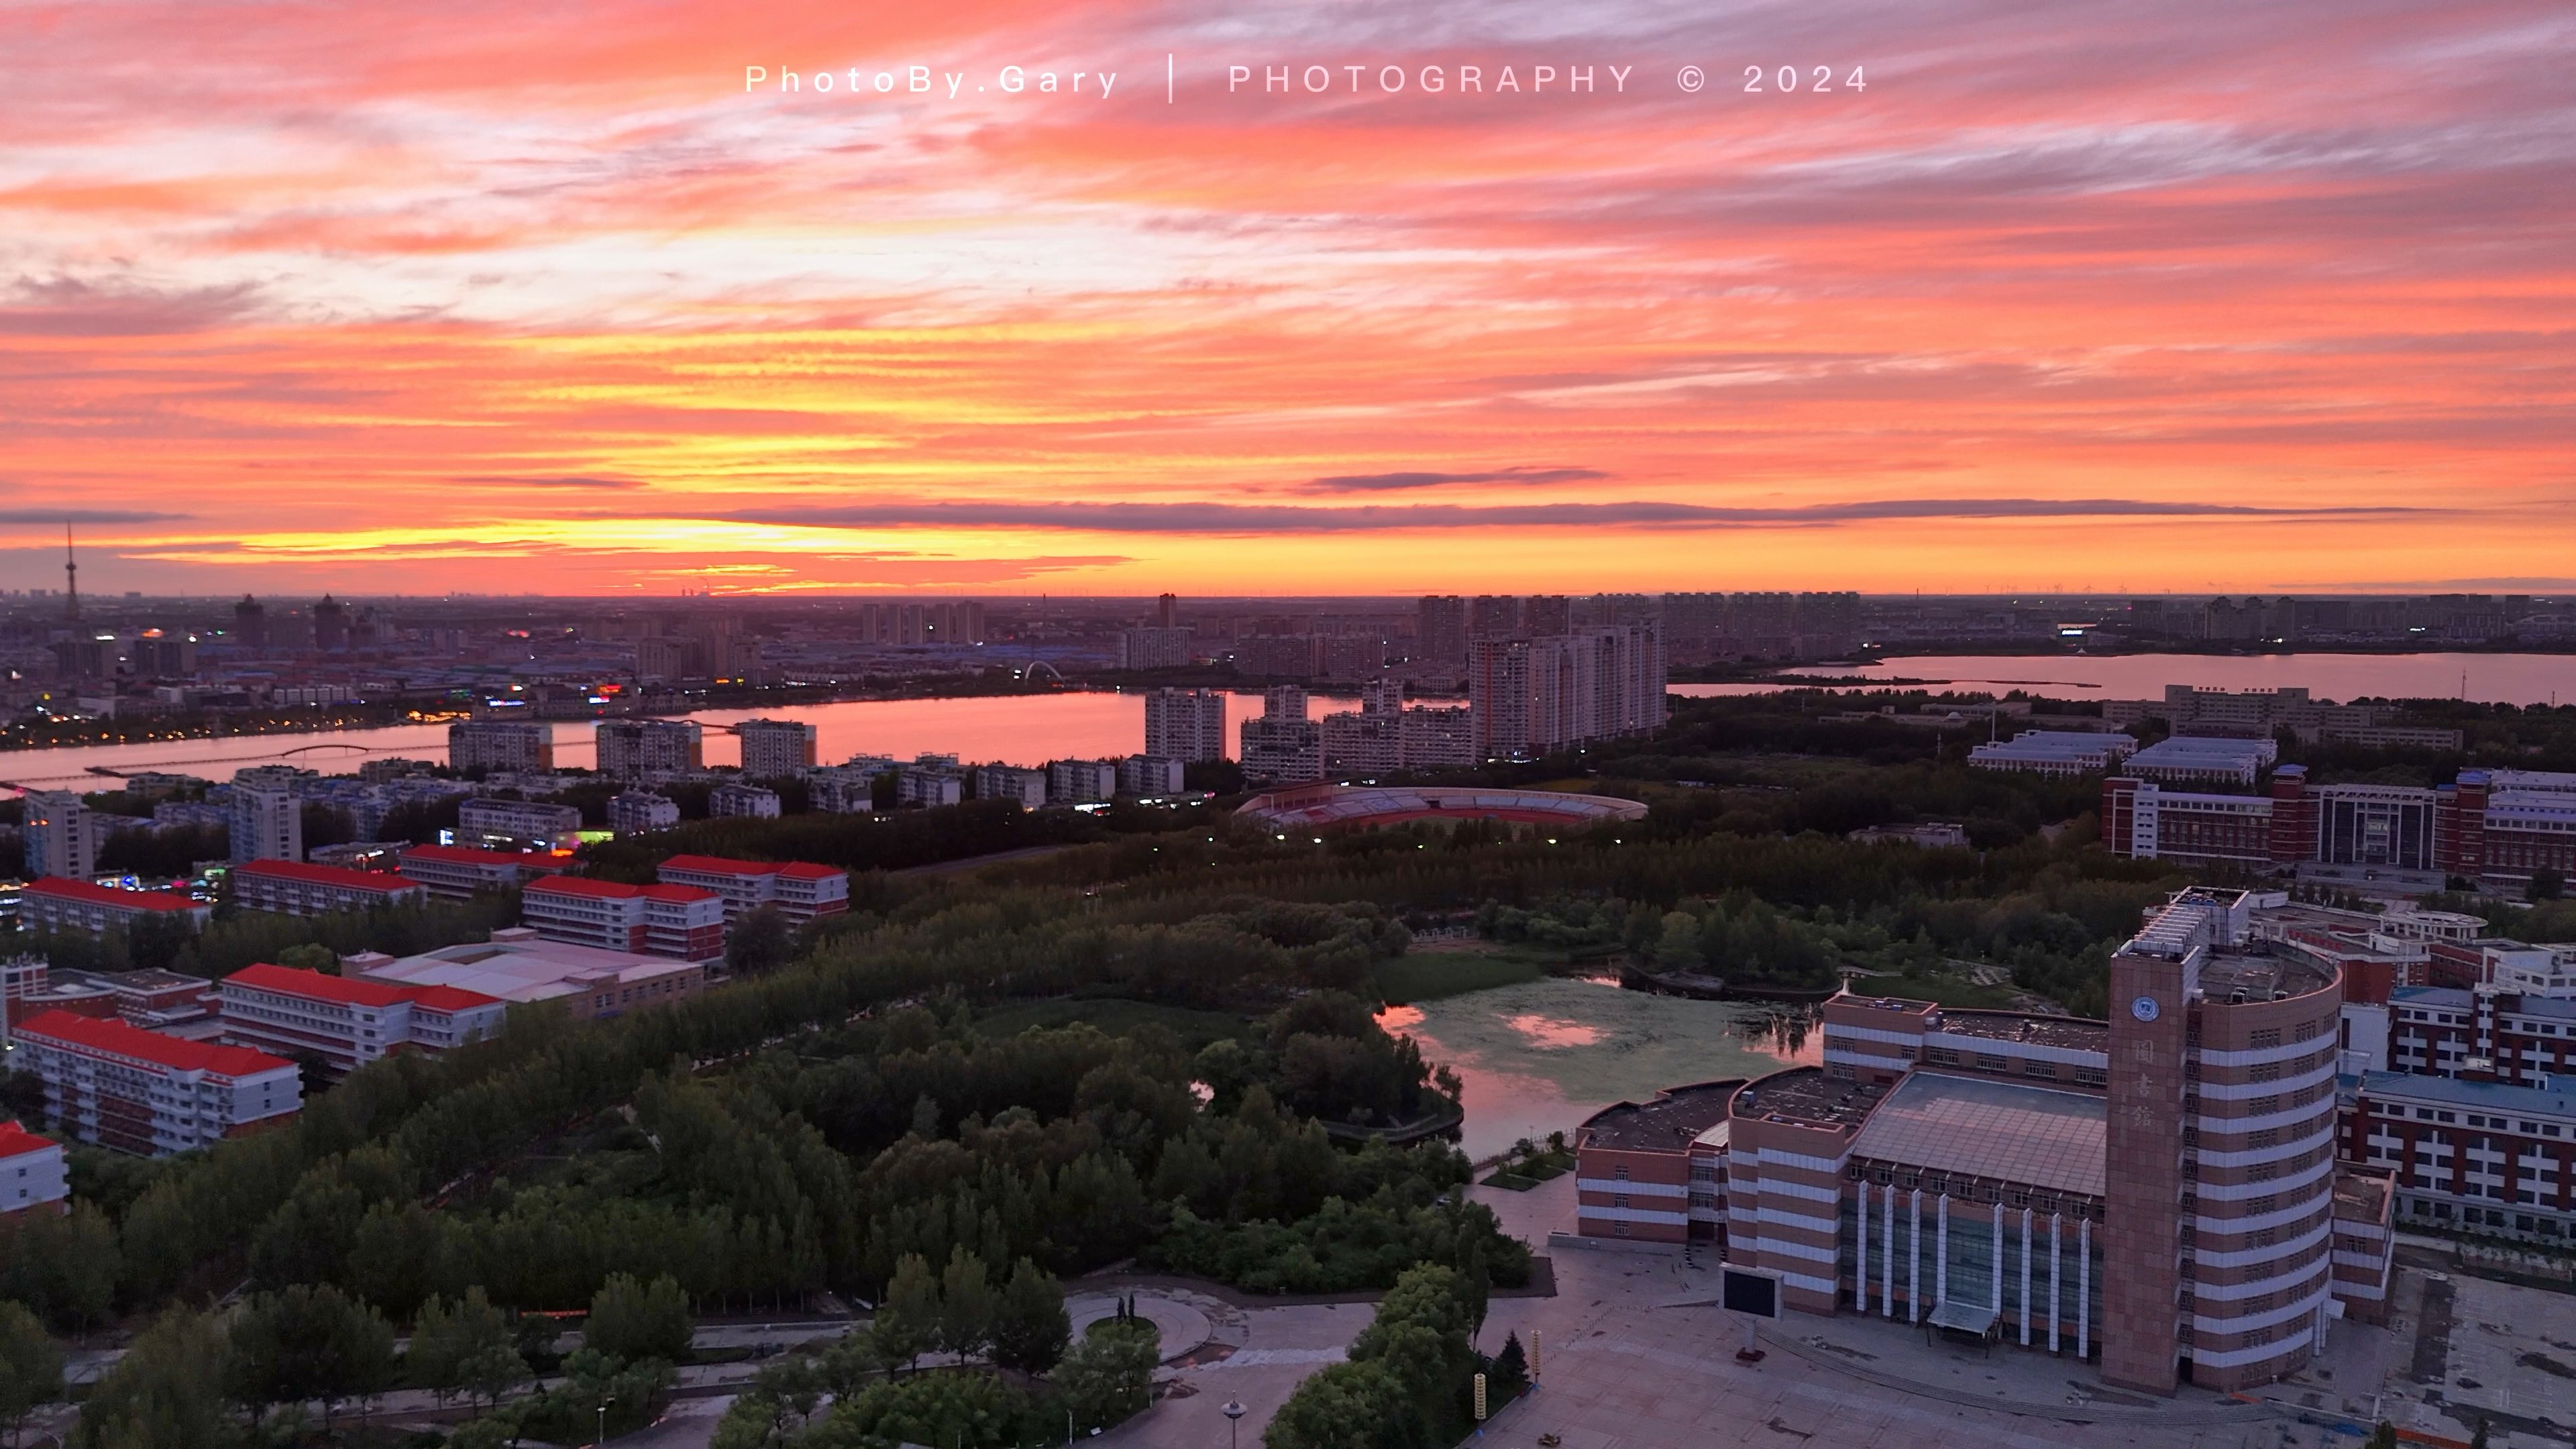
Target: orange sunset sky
column 539, row 297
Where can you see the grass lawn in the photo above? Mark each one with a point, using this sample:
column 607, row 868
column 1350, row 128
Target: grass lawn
column 1529, row 1173
column 1113, row 1015
column 1429, row 975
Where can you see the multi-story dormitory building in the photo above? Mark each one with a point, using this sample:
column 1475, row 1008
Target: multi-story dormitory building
column 2493, row 825
column 2160, row 1190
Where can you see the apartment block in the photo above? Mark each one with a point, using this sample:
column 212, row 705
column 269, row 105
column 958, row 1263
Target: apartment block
column 639, row 812
column 457, row 872
column 1009, row 782
column 507, row 823
column 775, row 749
column 650, row 749
column 294, row 888
column 1185, row 724
column 61, row 834
column 1078, row 782
column 32, row 1176
column 54, row 903
column 683, row 922
column 800, row 891
column 501, row 745
column 138, row 1091
column 734, row 800
column 347, row 1022
column 1150, row 775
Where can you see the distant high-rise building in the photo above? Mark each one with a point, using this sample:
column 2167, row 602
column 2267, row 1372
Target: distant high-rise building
column 499, row 744
column 1440, row 632
column 61, row 838
column 250, row 624
column 1154, row 646
column 1531, row 696
column 1167, row 612
column 1382, row 696
column 1438, row 737
column 1694, row 627
column 1494, row 616
column 638, row 749
column 775, row 749
column 1364, row 741
column 330, row 624
column 1185, row 724
column 1543, row 614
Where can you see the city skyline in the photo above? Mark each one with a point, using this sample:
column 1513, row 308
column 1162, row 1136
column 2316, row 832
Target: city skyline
column 506, row 301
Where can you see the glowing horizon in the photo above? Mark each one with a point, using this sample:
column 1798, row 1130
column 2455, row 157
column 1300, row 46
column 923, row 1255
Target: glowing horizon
column 516, row 299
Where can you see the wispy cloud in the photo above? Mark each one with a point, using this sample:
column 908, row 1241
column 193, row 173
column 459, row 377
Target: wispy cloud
column 1391, row 482
column 1233, row 518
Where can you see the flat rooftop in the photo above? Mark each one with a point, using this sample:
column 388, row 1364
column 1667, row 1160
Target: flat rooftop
column 2075, row 1033
column 2261, row 978
column 2360, row 1196
column 1999, row 1131
column 527, row 970
column 1806, row 1095
column 1670, row 1122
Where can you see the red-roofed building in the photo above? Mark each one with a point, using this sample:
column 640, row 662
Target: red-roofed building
column 59, row 903
column 458, row 871
column 31, row 1172
column 799, row 890
column 683, row 922
column 152, row 1095
column 294, row 888
column 348, row 1022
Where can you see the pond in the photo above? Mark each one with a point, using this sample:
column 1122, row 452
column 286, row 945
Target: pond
column 1541, row 1056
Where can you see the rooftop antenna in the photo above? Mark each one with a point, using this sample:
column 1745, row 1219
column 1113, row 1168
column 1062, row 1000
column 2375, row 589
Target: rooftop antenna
column 71, row 577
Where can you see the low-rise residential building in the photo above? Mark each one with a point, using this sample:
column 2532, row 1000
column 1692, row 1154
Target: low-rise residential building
column 927, row 785
column 1081, row 782
column 637, row 812
column 800, row 891
column 493, row 744
column 849, row 788
column 1150, row 775
column 517, row 965
column 507, row 823
column 459, row 871
column 31, row 1172
column 348, row 1022
column 1008, row 782
column 733, row 800
column 57, row 903
column 296, row 888
column 775, row 749
column 137, row 1091
column 683, row 922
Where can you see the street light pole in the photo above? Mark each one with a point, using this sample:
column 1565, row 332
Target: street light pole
column 1233, row 1422
column 603, row 1418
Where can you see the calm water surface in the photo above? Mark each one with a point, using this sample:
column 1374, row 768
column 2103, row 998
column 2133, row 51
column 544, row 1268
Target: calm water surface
column 1541, row 1056
column 2491, row 678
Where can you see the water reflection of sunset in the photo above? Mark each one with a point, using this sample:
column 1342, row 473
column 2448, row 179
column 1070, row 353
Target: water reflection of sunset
column 1548, row 1032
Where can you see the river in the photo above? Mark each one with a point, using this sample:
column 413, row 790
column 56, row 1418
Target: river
column 1088, row 724
column 1541, row 1056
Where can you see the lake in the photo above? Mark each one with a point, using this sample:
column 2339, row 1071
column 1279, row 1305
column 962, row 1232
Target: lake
column 1541, row 1056
column 1017, row 729
column 1090, row 724
column 2490, row 678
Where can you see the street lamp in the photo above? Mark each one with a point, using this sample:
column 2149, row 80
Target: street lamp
column 1233, row 1421
column 603, row 1417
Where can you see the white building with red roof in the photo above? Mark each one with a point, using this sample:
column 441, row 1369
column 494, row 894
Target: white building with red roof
column 31, row 1172
column 518, row 965
column 459, row 871
column 59, row 903
column 684, row 922
column 348, row 1022
column 294, row 888
column 138, row 1091
column 799, row 890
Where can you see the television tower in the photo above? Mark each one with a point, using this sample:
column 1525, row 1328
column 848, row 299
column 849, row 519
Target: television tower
column 71, row 579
